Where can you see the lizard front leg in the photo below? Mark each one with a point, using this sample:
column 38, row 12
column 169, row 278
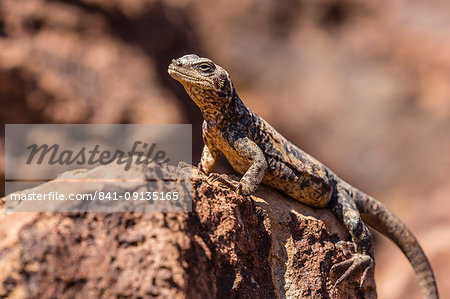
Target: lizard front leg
column 209, row 159
column 250, row 151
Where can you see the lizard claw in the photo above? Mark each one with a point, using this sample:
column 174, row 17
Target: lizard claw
column 182, row 165
column 212, row 178
column 238, row 189
column 356, row 261
column 202, row 170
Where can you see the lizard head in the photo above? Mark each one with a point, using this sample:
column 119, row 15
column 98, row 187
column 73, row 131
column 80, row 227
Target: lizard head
column 207, row 83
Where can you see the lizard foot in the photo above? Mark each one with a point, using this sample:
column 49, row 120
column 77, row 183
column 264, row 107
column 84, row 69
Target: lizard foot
column 199, row 166
column 357, row 260
column 185, row 168
column 237, row 187
column 214, row 177
column 182, row 165
column 347, row 248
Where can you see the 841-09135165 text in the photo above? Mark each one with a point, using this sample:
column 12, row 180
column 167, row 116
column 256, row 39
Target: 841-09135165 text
column 97, row 195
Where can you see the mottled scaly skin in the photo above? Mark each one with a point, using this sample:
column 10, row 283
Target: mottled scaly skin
column 261, row 154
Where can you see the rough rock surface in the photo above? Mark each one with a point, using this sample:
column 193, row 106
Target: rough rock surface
column 229, row 246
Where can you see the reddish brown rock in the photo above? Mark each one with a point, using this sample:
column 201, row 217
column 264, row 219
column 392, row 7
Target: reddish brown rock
column 229, row 246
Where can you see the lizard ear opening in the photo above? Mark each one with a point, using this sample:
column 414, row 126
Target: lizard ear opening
column 224, row 84
column 218, row 83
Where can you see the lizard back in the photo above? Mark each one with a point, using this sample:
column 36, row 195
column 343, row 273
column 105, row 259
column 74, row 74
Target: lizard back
column 290, row 170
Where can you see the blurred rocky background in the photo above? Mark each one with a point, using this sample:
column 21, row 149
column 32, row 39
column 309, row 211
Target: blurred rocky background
column 364, row 86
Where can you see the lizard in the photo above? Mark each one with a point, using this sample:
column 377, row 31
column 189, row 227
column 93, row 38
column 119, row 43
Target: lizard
column 262, row 155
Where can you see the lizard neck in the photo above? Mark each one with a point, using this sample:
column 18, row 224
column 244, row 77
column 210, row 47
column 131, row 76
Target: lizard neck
column 219, row 107
column 235, row 109
column 232, row 110
column 210, row 103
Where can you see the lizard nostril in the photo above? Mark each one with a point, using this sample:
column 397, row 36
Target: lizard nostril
column 177, row 62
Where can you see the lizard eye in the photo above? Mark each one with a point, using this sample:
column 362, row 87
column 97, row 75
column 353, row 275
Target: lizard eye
column 206, row 67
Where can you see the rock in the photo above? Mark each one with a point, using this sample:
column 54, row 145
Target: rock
column 229, row 246
column 66, row 63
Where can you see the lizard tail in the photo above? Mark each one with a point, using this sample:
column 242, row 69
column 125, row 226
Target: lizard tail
column 383, row 220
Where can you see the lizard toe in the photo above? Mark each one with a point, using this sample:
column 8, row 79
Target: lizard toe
column 199, row 166
column 214, row 177
column 182, row 165
column 244, row 189
column 356, row 262
column 238, row 189
column 346, row 247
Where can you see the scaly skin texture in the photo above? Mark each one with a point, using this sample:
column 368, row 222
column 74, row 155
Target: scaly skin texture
column 261, row 154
